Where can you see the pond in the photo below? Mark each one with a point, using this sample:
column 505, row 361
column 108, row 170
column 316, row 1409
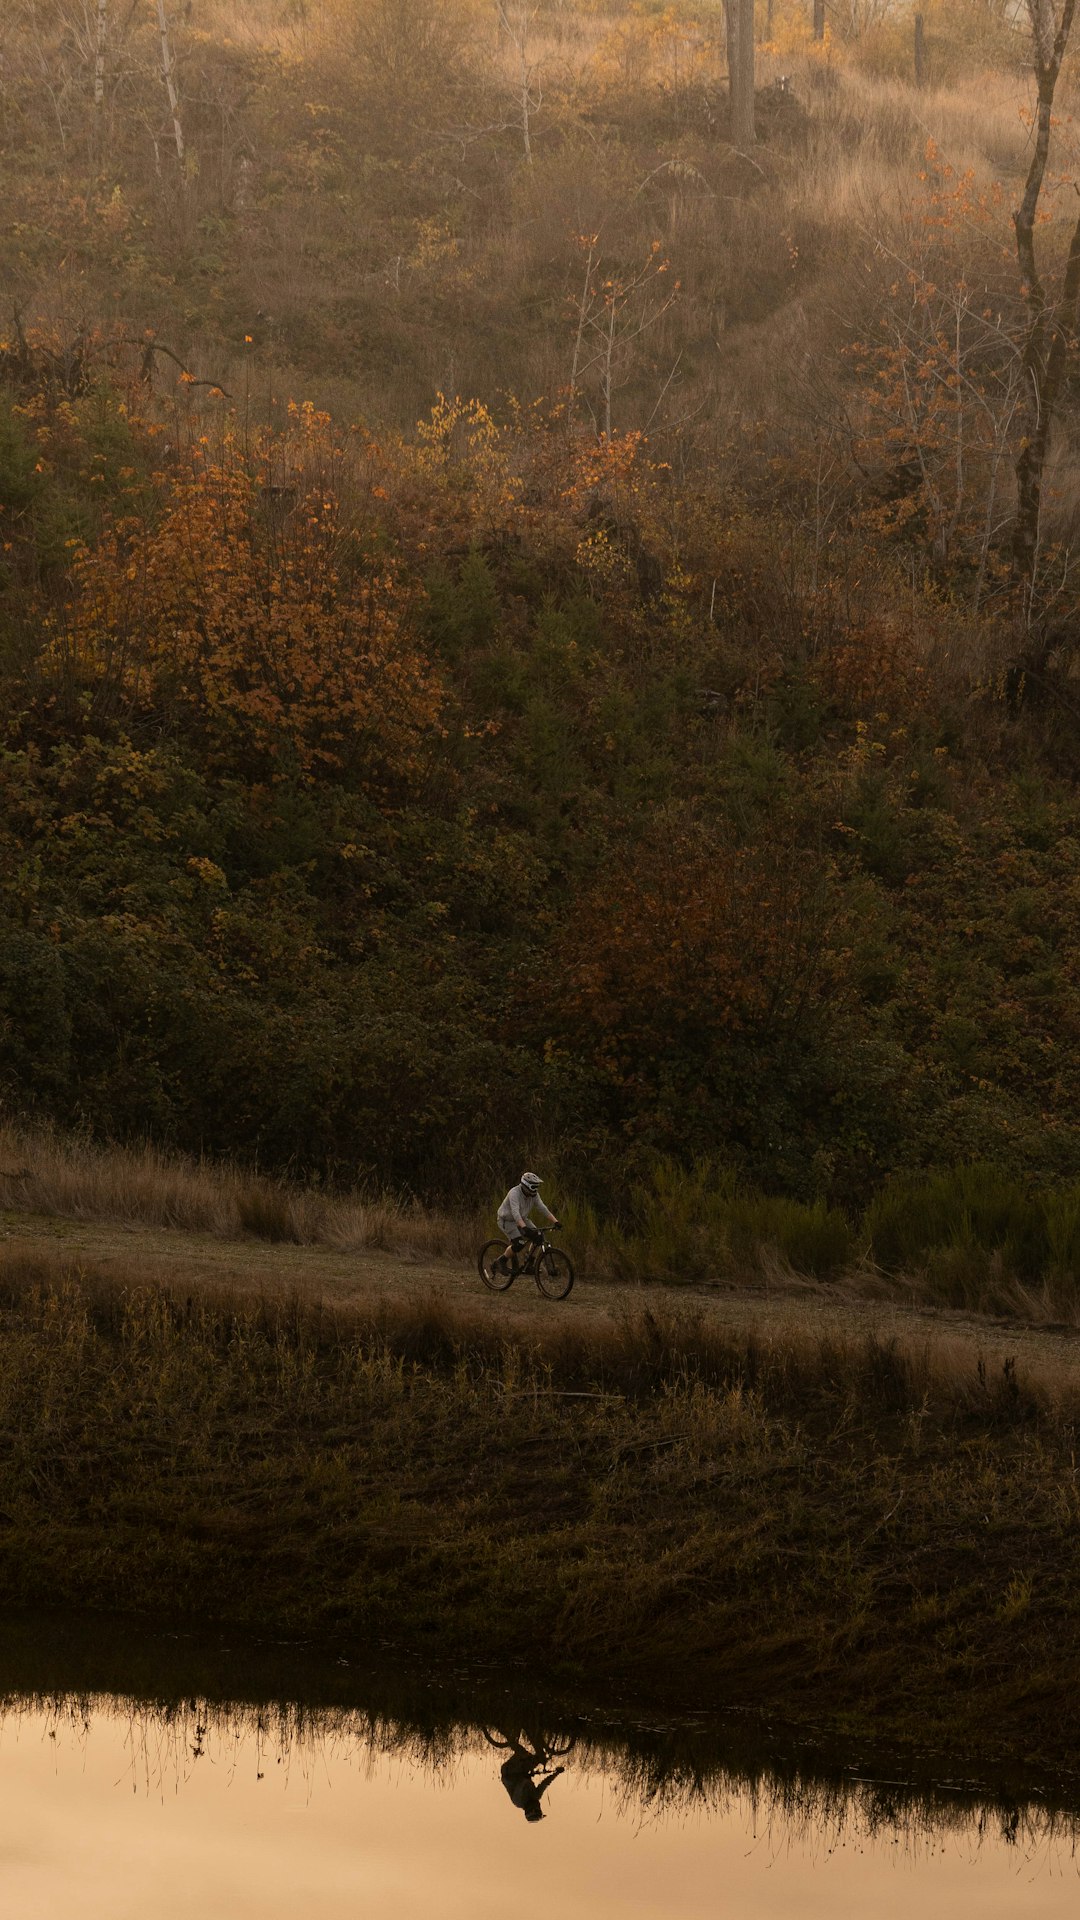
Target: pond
column 145, row 1774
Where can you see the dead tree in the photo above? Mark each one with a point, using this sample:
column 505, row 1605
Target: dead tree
column 1051, row 323
column 99, row 58
column 515, row 20
column 920, row 51
column 170, row 83
column 99, row 79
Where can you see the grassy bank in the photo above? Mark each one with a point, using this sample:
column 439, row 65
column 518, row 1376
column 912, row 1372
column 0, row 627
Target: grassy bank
column 855, row 1535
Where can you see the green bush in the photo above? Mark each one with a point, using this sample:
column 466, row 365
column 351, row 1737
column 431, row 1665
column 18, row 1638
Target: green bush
column 976, row 1207
column 815, row 1239
column 677, row 1230
column 35, row 1024
column 965, row 1275
column 698, row 1222
column 1061, row 1212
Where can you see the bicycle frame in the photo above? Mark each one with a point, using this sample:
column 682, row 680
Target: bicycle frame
column 536, row 1248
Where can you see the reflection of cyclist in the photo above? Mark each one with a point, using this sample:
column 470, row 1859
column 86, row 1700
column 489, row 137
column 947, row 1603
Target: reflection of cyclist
column 516, row 1211
column 519, row 1776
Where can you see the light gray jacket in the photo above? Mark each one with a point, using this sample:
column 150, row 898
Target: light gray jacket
column 517, row 1208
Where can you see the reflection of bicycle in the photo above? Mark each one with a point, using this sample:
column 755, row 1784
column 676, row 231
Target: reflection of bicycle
column 525, row 1773
column 544, row 1747
column 500, row 1266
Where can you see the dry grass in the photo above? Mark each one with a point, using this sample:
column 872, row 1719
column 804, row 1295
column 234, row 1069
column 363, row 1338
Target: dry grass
column 786, row 1361
column 144, row 1186
column 627, row 94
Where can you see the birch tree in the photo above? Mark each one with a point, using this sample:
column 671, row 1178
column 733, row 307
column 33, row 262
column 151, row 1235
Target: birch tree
column 611, row 313
column 99, row 78
column 515, row 21
column 99, row 54
column 167, row 74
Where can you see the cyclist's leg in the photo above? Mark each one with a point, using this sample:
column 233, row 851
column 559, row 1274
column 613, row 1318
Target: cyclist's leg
column 514, row 1245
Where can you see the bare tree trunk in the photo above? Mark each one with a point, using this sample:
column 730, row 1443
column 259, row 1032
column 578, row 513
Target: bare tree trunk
column 579, row 338
column 819, row 19
column 607, row 373
column 740, row 51
column 920, row 50
column 170, row 85
column 97, row 131
column 517, row 32
column 1045, row 353
column 526, row 135
column 1044, row 30
column 99, row 63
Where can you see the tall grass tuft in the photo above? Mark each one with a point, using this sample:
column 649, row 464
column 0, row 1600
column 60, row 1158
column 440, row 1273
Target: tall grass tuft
column 700, row 1223
column 976, row 1209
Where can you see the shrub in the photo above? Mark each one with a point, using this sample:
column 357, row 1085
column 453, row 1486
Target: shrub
column 35, row 1025
column 815, row 1239
column 976, row 1207
column 700, row 1221
column 1061, row 1216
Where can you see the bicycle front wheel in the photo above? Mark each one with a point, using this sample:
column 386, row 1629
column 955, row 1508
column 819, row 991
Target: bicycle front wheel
column 554, row 1274
column 494, row 1267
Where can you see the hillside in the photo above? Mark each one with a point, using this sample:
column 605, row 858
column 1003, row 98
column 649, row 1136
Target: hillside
column 640, row 765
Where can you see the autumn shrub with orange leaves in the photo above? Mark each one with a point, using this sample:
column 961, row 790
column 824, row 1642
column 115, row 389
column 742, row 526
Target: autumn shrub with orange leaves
column 701, row 977
column 241, row 614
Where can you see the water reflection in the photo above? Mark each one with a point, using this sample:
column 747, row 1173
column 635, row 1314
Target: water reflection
column 527, row 1772
column 147, row 1775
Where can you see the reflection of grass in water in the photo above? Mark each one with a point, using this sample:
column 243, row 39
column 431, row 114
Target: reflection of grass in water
column 682, row 1772
column 846, row 1530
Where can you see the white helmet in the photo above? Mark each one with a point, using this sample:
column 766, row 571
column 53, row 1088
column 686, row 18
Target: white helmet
column 531, row 1182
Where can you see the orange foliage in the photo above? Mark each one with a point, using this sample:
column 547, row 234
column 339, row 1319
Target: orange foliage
column 238, row 610
column 690, row 941
column 876, row 665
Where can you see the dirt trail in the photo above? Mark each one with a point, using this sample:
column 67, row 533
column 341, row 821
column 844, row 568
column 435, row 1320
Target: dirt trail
column 199, row 1260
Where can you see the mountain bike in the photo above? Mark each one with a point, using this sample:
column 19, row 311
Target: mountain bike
column 541, row 1748
column 500, row 1266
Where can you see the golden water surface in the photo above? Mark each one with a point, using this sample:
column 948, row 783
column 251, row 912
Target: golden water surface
column 109, row 1812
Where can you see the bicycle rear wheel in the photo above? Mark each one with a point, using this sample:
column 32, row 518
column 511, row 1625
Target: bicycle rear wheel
column 554, row 1274
column 494, row 1267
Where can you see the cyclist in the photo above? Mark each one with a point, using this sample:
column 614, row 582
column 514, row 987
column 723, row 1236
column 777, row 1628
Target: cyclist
column 527, row 1778
column 514, row 1217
